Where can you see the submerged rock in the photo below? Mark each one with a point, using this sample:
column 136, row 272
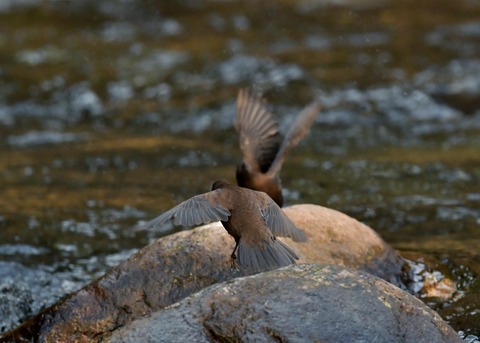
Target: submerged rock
column 304, row 303
column 176, row 266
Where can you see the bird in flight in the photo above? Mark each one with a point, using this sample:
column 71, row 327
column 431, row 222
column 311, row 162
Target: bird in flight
column 263, row 146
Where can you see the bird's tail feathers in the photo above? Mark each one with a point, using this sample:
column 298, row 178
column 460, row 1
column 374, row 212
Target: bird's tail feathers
column 271, row 255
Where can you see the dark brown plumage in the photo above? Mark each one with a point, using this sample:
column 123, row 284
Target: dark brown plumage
column 262, row 145
column 252, row 218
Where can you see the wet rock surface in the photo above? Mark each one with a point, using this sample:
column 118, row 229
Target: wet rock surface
column 178, row 265
column 303, row 303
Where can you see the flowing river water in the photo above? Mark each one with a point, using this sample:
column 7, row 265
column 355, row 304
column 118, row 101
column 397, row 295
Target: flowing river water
column 112, row 112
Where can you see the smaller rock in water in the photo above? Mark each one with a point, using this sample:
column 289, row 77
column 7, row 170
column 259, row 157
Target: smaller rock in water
column 84, row 102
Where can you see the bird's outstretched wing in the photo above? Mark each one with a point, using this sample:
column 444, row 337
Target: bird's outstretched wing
column 200, row 209
column 298, row 130
column 258, row 132
column 277, row 220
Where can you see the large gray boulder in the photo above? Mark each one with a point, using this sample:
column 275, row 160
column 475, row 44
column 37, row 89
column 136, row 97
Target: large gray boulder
column 303, row 303
column 179, row 265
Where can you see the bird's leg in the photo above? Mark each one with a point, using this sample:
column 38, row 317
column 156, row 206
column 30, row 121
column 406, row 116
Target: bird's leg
column 233, row 257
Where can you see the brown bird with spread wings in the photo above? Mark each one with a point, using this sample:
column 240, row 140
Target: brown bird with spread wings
column 262, row 145
column 252, row 218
